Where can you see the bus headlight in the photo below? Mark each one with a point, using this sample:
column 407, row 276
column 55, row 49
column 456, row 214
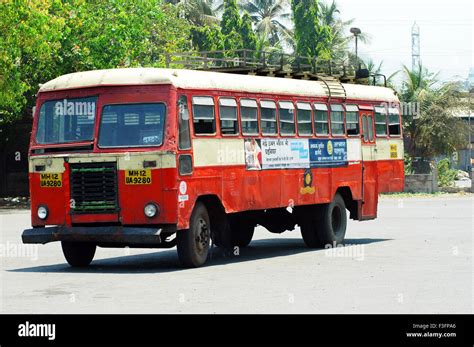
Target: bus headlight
column 42, row 212
column 150, row 210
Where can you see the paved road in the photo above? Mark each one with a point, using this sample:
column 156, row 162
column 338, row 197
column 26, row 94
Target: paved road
column 416, row 258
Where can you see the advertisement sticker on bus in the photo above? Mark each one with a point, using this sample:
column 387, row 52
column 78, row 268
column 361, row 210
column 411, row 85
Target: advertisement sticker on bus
column 327, row 153
column 285, row 153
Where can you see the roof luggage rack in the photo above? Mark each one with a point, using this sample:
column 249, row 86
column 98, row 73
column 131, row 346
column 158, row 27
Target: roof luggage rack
column 272, row 64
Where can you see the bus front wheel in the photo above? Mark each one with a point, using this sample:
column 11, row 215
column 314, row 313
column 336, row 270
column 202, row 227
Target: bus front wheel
column 193, row 243
column 78, row 254
column 328, row 227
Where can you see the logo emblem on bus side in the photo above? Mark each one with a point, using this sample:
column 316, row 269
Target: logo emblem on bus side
column 307, row 183
column 329, row 147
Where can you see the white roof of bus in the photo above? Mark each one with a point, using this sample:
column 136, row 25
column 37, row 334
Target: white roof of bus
column 191, row 79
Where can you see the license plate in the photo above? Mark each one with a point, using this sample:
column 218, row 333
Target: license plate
column 138, row 177
column 51, row 180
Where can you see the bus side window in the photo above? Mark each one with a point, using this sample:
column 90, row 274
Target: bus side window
column 268, row 120
column 303, row 115
column 370, row 126
column 204, row 119
column 380, row 121
column 184, row 136
column 321, row 119
column 249, row 116
column 287, row 117
column 337, row 120
column 352, row 120
column 394, row 122
column 228, row 116
column 364, row 128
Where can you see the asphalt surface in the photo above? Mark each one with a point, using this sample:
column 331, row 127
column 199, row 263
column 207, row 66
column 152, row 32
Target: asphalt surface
column 417, row 257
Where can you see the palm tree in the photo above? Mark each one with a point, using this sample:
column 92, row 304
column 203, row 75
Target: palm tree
column 199, row 12
column 417, row 83
column 329, row 15
column 269, row 18
column 375, row 69
column 433, row 130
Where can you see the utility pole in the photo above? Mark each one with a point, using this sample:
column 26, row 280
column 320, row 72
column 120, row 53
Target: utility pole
column 415, row 47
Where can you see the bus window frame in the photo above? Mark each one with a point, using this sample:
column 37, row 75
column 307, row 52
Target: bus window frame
column 99, row 120
column 365, row 128
column 259, row 105
column 371, row 119
column 311, row 134
column 259, row 131
column 381, row 110
column 315, row 110
column 294, row 119
column 219, row 116
column 188, row 121
column 344, row 133
column 357, row 118
column 398, row 113
column 215, row 116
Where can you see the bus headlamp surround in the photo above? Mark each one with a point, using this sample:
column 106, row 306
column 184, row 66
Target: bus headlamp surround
column 151, row 210
column 42, row 212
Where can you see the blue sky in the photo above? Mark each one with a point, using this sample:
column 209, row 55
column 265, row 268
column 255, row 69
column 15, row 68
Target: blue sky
column 446, row 33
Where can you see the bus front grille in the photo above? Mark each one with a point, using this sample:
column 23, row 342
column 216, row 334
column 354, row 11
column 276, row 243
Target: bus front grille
column 94, row 188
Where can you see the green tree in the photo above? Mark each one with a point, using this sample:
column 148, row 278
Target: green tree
column 29, row 40
column 124, row 34
column 269, row 18
column 207, row 38
column 434, row 130
column 249, row 39
column 231, row 24
column 42, row 39
column 231, row 20
column 312, row 37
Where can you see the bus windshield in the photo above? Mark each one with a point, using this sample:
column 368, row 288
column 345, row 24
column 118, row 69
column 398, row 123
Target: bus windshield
column 66, row 120
column 132, row 125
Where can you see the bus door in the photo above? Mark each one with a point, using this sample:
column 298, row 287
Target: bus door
column 369, row 167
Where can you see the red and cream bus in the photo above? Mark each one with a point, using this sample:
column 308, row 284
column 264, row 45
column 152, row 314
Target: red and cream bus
column 162, row 157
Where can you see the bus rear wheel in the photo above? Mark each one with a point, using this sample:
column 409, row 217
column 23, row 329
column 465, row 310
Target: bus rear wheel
column 78, row 254
column 193, row 243
column 328, row 227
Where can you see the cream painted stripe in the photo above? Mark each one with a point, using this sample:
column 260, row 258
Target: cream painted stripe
column 216, row 152
column 385, row 149
column 51, row 165
column 126, row 161
column 353, row 150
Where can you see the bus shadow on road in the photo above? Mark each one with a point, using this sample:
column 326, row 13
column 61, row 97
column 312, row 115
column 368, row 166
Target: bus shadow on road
column 167, row 260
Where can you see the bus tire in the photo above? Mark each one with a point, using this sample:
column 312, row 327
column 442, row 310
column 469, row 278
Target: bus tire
column 242, row 233
column 78, row 254
column 329, row 225
column 193, row 243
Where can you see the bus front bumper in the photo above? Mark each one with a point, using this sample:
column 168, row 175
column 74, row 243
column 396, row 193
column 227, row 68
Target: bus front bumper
column 99, row 235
